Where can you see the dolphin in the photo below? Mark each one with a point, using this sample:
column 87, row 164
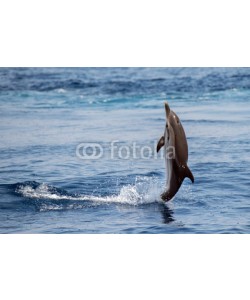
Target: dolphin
column 176, row 154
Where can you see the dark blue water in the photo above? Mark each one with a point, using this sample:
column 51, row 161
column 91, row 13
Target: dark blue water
column 47, row 187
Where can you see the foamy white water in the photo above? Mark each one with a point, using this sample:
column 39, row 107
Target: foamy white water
column 144, row 191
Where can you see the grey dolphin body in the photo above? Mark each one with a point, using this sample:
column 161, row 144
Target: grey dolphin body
column 176, row 154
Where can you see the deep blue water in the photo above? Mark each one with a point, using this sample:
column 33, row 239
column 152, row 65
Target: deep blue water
column 46, row 113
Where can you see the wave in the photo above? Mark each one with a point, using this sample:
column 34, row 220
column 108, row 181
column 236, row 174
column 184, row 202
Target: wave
column 124, row 81
column 145, row 190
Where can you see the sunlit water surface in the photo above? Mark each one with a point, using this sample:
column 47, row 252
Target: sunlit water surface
column 47, row 188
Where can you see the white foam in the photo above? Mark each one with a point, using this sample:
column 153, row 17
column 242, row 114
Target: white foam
column 61, row 91
column 145, row 190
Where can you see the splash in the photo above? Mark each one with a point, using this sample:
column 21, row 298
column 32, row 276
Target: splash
column 145, row 190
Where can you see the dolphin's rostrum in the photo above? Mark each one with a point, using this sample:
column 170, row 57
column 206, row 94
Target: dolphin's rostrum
column 176, row 154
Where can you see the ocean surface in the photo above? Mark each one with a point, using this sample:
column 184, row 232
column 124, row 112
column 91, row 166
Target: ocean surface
column 77, row 150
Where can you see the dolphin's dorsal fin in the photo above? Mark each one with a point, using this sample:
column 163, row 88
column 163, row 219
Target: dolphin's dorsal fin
column 187, row 173
column 160, row 143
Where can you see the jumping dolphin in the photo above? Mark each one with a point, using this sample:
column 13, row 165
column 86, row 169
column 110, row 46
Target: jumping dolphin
column 176, row 154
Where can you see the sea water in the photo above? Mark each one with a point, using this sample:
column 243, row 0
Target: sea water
column 77, row 150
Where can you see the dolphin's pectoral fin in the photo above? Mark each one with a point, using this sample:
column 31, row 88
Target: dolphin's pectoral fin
column 188, row 173
column 160, row 143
